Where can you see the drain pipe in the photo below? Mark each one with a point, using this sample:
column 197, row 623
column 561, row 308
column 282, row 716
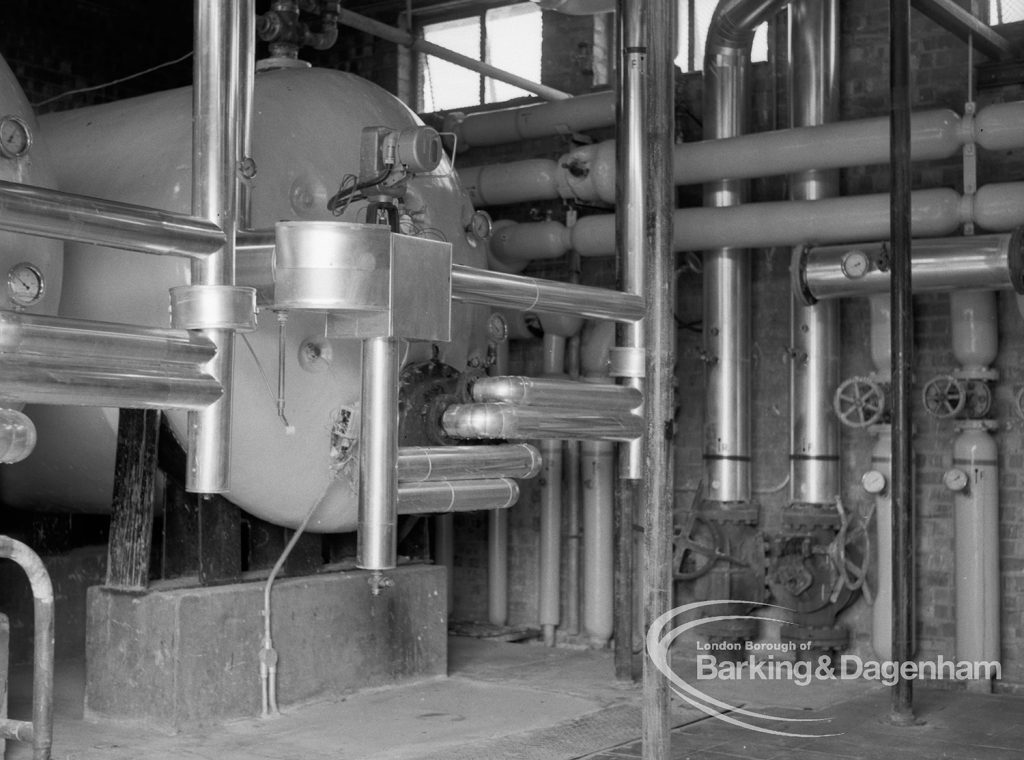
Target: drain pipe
column 40, row 730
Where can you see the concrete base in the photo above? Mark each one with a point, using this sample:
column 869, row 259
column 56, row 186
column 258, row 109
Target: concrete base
column 177, row 658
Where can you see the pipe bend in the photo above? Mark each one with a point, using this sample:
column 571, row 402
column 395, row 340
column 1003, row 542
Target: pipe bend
column 734, row 21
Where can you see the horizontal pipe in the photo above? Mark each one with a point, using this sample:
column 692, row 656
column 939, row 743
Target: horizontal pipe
column 18, row 730
column 83, row 382
column 997, row 207
column 979, row 262
column 479, row 286
column 959, row 21
column 65, row 216
column 65, row 339
column 566, row 394
column 496, row 420
column 514, row 460
column 588, row 172
column 438, row 496
column 401, row 37
column 578, row 114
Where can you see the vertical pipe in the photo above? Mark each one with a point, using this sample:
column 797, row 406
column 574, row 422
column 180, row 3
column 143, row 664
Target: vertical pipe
column 881, row 461
column 814, row 371
column 657, row 486
column 630, row 213
column 216, row 131
column 497, row 533
column 378, row 474
column 550, row 601
column 903, row 355
column 598, row 473
column 444, row 551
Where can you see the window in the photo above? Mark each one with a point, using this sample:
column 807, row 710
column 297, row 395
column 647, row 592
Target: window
column 694, row 20
column 1005, row 11
column 508, row 37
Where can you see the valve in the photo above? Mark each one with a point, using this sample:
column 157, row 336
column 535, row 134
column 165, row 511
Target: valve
column 859, row 402
column 944, row 396
column 979, row 399
column 695, row 548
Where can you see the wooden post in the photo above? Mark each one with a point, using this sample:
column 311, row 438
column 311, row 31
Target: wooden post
column 220, row 540
column 131, row 520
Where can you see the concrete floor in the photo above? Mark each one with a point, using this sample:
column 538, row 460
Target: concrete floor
column 526, row 702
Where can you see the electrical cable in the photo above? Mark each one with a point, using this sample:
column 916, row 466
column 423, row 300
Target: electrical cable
column 80, row 90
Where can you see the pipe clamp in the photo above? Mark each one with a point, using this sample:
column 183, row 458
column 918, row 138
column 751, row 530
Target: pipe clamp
column 213, row 307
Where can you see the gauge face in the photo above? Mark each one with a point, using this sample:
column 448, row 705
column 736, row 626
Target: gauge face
column 24, row 284
column 480, row 224
column 855, row 264
column 15, row 137
column 955, row 480
column 873, row 481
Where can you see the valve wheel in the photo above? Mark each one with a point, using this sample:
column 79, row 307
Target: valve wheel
column 944, row 396
column 694, row 548
column 859, row 402
column 979, row 399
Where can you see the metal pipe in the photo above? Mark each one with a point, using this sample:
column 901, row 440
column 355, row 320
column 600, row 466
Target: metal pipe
column 814, row 334
column 577, row 114
column 657, row 489
column 444, row 552
column 439, row 496
column 990, row 262
column 513, row 460
column 497, row 530
column 78, row 218
column 73, row 382
column 567, row 394
column 219, row 77
column 550, row 538
column 471, row 285
column 511, row 422
column 598, row 465
column 378, row 477
column 42, row 655
column 903, row 356
column 401, row 37
column 959, row 21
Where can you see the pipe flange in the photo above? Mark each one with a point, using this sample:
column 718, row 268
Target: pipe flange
column 740, row 513
column 989, row 426
column 213, row 307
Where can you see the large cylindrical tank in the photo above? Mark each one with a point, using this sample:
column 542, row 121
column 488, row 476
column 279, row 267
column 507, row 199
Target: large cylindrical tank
column 306, row 139
column 25, row 158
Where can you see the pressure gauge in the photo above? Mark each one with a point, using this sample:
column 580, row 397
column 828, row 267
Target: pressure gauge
column 24, row 284
column 480, row 224
column 15, row 137
column 955, row 479
column 873, row 481
column 855, row 264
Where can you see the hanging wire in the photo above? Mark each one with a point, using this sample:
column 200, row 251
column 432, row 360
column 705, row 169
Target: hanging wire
column 81, row 90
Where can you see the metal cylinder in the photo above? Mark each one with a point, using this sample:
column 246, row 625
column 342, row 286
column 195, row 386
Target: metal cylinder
column 937, row 265
column 378, row 454
column 497, row 567
column 566, row 394
column 550, row 538
column 513, row 460
column 974, row 322
column 598, row 465
column 64, row 216
column 440, row 496
column 42, row 653
column 881, row 339
column 510, row 422
column 976, row 510
column 881, row 610
column 529, row 294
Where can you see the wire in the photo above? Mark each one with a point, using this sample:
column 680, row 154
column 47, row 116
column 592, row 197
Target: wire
column 340, row 201
column 80, row 90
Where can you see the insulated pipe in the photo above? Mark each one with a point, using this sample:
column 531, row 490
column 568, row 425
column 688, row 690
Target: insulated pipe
column 40, row 731
column 401, row 37
column 975, row 481
column 378, row 440
column 998, row 207
column 220, row 65
column 566, row 394
column 878, row 481
column 513, row 460
column 78, row 218
column 497, row 531
column 509, row 422
column 903, row 357
column 439, row 496
column 598, row 465
column 471, row 285
column 814, row 334
column 550, row 598
column 974, row 324
column 991, row 262
column 560, row 117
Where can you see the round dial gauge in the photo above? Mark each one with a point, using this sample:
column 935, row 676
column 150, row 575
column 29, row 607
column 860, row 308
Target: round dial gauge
column 15, row 137
column 955, row 479
column 480, row 224
column 873, row 481
column 24, row 284
column 855, row 264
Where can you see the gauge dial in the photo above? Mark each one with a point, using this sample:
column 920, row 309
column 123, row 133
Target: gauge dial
column 15, row 137
column 855, row 264
column 955, row 479
column 873, row 481
column 24, row 284
column 480, row 224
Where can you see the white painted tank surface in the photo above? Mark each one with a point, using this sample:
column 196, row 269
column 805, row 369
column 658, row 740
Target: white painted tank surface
column 25, row 158
column 306, row 137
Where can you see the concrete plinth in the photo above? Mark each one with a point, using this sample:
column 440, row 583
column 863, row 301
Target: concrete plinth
column 177, row 658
